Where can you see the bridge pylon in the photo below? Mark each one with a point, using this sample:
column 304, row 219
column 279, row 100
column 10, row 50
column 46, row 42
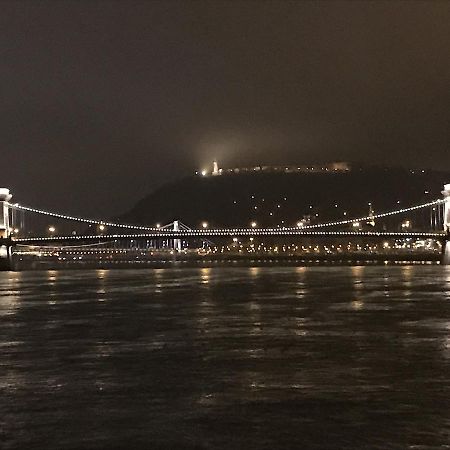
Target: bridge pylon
column 446, row 241
column 5, row 231
column 176, row 242
column 5, row 227
column 446, row 194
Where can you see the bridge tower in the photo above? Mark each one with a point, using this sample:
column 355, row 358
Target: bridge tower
column 5, row 197
column 446, row 241
column 176, row 242
column 5, row 231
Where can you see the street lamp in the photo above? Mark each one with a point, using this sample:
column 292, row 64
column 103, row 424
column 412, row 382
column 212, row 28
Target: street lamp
column 253, row 224
column 204, row 224
column 406, row 224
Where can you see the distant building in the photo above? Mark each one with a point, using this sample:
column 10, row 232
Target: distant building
column 314, row 168
column 332, row 167
column 340, row 166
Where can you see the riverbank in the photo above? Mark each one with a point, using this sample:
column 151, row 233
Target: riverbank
column 198, row 260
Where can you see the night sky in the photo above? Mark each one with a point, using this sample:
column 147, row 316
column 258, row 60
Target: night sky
column 103, row 101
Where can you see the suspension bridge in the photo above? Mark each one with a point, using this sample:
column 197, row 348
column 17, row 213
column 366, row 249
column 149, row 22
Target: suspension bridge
column 177, row 232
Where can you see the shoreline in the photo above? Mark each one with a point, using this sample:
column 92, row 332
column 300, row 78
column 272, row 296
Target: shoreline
column 181, row 261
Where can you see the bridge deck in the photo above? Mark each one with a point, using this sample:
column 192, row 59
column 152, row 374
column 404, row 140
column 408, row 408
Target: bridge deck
column 230, row 233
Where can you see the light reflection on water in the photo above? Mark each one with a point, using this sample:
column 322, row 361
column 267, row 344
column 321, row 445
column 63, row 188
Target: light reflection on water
column 186, row 358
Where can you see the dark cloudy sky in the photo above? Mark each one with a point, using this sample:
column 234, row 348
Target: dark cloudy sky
column 103, row 100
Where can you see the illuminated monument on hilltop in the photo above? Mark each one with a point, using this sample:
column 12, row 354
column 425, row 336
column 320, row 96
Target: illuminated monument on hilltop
column 216, row 170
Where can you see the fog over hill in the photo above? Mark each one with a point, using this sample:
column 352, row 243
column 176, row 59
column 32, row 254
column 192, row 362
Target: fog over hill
column 282, row 199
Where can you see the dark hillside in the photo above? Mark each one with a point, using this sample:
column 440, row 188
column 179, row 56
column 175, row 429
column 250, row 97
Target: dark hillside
column 282, row 199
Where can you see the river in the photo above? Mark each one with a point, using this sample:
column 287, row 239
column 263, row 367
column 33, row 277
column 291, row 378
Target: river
column 314, row 357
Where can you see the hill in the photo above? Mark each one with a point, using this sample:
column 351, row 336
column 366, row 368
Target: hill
column 282, row 199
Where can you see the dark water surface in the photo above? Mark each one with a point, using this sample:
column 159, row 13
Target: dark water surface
column 226, row 358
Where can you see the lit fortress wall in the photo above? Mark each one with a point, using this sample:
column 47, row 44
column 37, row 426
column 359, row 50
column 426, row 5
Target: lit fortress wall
column 332, row 167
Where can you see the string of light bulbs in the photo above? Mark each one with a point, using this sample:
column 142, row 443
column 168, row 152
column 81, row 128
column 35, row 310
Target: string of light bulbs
column 377, row 216
column 156, row 229
column 82, row 219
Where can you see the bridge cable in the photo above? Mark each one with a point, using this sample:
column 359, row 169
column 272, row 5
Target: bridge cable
column 82, row 219
column 375, row 216
column 156, row 229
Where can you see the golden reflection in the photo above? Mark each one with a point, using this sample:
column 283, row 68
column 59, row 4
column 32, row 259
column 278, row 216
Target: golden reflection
column 158, row 274
column 203, row 321
column 446, row 343
column 255, row 271
column 101, row 290
column 301, row 293
column 357, row 272
column 101, row 273
column 300, row 327
column 447, row 273
column 52, row 276
column 103, row 349
column 256, row 329
column 205, row 306
column 16, row 277
column 10, row 299
column 52, row 299
column 407, row 272
column 205, row 275
column 357, row 304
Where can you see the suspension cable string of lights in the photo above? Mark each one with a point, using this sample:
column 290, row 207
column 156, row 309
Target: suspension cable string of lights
column 159, row 229
column 66, row 247
column 376, row 216
column 81, row 219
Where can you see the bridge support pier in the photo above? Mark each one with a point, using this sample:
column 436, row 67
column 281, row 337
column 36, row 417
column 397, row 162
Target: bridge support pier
column 6, row 244
column 445, row 257
column 6, row 260
column 445, row 254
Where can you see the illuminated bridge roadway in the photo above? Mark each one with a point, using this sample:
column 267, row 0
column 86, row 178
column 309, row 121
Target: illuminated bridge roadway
column 230, row 233
column 177, row 231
